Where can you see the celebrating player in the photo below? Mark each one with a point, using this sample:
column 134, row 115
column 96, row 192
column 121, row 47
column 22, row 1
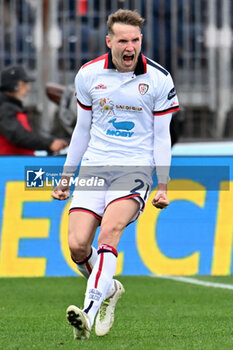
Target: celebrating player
column 125, row 104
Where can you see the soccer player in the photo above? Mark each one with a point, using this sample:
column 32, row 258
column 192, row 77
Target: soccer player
column 125, row 104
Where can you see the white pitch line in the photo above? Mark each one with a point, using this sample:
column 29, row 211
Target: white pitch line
column 196, row 281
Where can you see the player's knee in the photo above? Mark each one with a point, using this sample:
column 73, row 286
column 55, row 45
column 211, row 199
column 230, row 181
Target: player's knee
column 79, row 251
column 110, row 233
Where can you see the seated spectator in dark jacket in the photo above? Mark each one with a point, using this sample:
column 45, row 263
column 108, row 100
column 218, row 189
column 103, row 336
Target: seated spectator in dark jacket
column 16, row 135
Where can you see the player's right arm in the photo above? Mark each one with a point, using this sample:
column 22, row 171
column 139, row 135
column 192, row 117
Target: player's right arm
column 79, row 141
column 78, row 145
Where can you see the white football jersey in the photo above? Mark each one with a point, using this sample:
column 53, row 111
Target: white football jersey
column 123, row 106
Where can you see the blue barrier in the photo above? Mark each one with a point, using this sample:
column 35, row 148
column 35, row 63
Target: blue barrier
column 193, row 236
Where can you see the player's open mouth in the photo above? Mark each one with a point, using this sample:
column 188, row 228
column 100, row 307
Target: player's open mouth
column 128, row 58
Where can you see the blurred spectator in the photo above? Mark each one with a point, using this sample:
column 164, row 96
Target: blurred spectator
column 16, row 135
column 66, row 115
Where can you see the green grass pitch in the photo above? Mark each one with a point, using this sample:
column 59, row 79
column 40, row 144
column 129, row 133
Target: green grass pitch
column 153, row 314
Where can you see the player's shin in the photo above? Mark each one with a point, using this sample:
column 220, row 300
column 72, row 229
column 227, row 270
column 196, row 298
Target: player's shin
column 86, row 266
column 100, row 280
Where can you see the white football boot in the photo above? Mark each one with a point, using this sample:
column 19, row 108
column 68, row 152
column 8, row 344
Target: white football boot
column 105, row 316
column 80, row 322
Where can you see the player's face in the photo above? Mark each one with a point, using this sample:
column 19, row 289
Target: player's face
column 125, row 45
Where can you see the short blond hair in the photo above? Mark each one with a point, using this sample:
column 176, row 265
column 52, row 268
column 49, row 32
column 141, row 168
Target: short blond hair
column 129, row 17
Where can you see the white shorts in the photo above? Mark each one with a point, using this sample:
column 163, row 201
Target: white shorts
column 110, row 184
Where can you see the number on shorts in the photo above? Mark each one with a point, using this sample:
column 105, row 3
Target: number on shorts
column 135, row 189
column 147, row 189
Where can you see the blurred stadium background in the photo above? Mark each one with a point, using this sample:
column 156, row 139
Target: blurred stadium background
column 191, row 38
column 194, row 236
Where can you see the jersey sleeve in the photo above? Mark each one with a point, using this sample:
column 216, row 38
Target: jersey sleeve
column 82, row 92
column 162, row 147
column 79, row 141
column 166, row 100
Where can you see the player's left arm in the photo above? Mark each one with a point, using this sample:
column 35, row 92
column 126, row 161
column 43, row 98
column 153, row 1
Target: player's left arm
column 165, row 103
column 162, row 157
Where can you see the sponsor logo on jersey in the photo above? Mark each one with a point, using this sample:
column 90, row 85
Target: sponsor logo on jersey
column 129, row 108
column 120, row 128
column 107, row 106
column 143, row 88
column 100, row 87
column 171, row 93
column 119, row 133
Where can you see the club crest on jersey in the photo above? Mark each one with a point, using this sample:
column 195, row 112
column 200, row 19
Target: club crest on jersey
column 143, row 88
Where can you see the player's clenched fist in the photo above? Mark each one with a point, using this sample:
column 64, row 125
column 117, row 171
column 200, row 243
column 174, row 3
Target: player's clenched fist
column 62, row 191
column 160, row 200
